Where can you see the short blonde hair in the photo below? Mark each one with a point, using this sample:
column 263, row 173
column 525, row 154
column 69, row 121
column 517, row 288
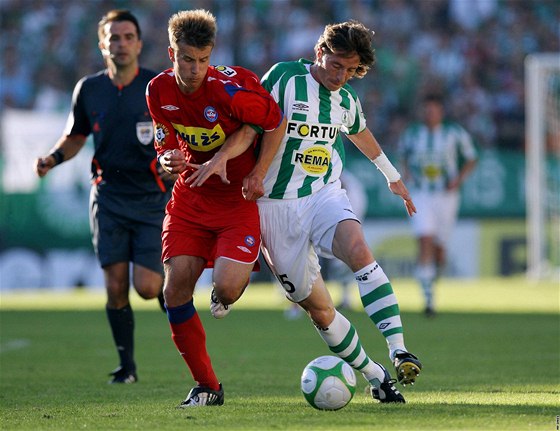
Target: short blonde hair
column 196, row 28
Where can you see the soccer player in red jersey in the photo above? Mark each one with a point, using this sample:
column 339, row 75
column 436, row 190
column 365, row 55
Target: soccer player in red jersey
column 195, row 107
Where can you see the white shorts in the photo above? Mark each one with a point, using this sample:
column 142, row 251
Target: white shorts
column 295, row 231
column 436, row 214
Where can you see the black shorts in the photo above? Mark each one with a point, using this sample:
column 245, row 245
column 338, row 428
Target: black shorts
column 128, row 229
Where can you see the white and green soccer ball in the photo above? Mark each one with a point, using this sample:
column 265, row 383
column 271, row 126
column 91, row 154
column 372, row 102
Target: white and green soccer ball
column 328, row 383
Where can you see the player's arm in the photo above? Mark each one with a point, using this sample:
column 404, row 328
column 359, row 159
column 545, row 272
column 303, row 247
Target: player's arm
column 65, row 149
column 465, row 171
column 253, row 183
column 169, row 155
column 368, row 145
column 235, row 145
column 468, row 151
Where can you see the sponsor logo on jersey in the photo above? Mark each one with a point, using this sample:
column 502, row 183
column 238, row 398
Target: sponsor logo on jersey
column 200, row 138
column 170, row 108
column 312, row 131
column 384, row 325
column 250, row 241
column 314, row 161
column 298, row 106
column 145, row 132
column 160, row 133
column 244, row 249
column 228, row 71
column 210, row 114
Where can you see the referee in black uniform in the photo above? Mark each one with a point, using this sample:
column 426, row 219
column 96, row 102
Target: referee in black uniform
column 128, row 196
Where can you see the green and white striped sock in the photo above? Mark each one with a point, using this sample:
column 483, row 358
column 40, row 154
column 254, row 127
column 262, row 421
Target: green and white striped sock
column 343, row 340
column 381, row 305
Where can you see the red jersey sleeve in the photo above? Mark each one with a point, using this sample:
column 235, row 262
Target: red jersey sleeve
column 251, row 103
column 164, row 135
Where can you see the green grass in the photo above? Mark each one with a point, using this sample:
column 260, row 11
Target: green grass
column 491, row 362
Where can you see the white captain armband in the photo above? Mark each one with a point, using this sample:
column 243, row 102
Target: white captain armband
column 386, row 168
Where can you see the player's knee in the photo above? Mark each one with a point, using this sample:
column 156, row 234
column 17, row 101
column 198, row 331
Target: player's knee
column 322, row 317
column 148, row 290
column 228, row 294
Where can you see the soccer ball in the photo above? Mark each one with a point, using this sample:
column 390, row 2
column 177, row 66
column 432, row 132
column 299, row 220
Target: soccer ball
column 328, row 383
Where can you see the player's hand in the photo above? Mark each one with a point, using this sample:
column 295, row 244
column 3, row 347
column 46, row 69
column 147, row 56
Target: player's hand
column 173, row 162
column 253, row 187
column 216, row 165
column 44, row 165
column 166, row 176
column 400, row 189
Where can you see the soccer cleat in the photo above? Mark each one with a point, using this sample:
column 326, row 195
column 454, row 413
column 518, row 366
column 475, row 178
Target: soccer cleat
column 203, row 396
column 429, row 312
column 387, row 392
column 407, row 367
column 218, row 310
column 120, row 375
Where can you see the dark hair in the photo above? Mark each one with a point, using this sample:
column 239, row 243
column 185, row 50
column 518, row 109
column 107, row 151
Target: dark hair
column 193, row 27
column 349, row 38
column 117, row 15
column 433, row 97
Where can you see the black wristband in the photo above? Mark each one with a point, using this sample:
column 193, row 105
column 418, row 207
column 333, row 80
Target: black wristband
column 58, row 156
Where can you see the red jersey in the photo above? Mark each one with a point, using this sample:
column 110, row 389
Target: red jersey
column 199, row 123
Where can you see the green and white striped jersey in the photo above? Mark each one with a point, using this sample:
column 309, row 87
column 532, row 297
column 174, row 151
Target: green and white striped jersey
column 434, row 156
column 312, row 152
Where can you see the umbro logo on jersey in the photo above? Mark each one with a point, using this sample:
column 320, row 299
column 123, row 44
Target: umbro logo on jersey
column 300, row 107
column 244, row 249
column 384, row 325
column 170, row 108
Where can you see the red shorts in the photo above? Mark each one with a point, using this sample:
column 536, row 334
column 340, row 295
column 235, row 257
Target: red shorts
column 205, row 226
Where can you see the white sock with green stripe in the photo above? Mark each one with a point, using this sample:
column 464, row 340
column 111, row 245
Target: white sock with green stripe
column 343, row 340
column 381, row 305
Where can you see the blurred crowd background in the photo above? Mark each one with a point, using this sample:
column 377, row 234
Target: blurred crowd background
column 472, row 51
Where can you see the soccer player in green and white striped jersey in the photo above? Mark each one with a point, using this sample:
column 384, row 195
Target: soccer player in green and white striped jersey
column 305, row 212
column 431, row 152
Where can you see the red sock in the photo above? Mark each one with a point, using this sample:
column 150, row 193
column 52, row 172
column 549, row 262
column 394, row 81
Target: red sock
column 190, row 339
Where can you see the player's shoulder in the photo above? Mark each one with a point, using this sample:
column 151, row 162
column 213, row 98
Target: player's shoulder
column 453, row 126
column 413, row 129
column 162, row 79
column 232, row 75
column 292, row 68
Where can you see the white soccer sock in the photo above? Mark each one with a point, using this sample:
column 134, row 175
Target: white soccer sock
column 381, row 305
column 426, row 275
column 343, row 340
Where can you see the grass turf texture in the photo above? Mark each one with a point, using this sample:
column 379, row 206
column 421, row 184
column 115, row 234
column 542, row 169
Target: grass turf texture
column 491, row 362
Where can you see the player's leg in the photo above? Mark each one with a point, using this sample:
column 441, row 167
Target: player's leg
column 229, row 279
column 181, row 274
column 424, row 225
column 377, row 295
column 342, row 339
column 426, row 272
column 237, row 252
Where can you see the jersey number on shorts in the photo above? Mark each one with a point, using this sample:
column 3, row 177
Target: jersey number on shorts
column 283, row 279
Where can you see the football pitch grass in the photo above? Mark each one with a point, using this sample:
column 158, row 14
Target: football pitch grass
column 491, row 362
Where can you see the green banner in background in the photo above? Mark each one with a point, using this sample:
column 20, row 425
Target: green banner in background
column 496, row 188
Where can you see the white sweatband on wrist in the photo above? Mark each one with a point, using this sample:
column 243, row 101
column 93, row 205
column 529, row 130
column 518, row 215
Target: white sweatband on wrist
column 386, row 168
